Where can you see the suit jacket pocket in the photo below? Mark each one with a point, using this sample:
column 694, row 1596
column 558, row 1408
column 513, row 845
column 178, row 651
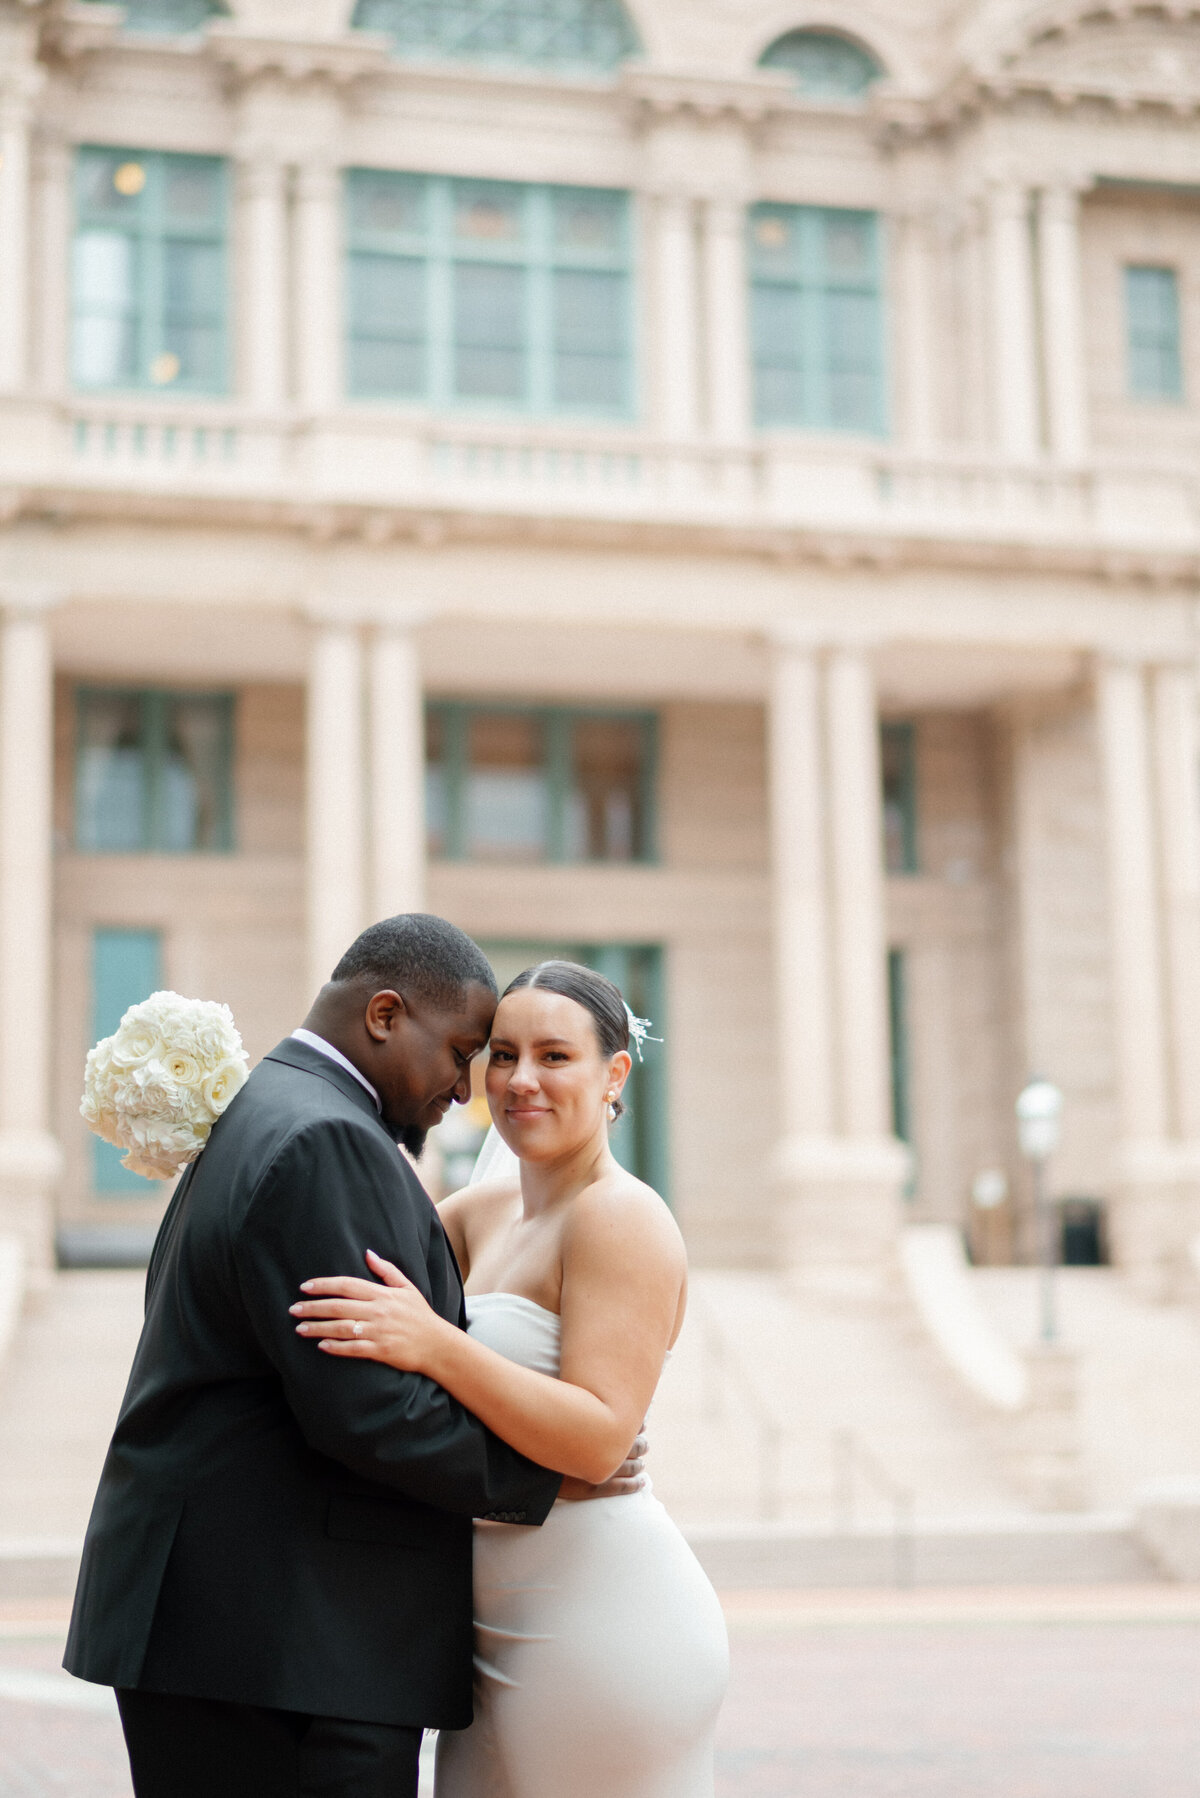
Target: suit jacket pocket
column 354, row 1517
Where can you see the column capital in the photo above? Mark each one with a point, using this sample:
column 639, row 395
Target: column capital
column 29, row 603
column 51, row 148
column 328, row 611
column 260, row 171
column 316, row 178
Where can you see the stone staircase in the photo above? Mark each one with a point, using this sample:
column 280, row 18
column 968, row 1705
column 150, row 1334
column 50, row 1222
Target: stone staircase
column 815, row 1440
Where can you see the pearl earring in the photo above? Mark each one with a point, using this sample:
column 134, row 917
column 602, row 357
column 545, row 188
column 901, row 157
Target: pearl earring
column 612, row 1108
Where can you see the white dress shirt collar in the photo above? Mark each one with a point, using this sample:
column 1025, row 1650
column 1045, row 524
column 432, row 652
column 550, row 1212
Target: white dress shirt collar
column 323, row 1048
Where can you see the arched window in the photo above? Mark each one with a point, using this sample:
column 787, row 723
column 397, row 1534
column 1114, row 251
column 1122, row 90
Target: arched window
column 169, row 18
column 582, row 34
column 823, row 65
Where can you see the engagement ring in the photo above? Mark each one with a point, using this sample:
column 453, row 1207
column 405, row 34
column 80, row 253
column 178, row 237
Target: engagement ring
column 358, row 1329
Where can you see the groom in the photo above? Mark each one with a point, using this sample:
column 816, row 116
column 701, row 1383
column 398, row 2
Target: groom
column 277, row 1572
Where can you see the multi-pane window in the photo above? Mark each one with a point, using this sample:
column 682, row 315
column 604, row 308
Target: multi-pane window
column 1152, row 333
column 584, row 34
column 153, row 771
column 898, row 753
column 167, row 18
column 817, row 326
column 126, row 968
column 901, row 1081
column 538, row 785
column 823, row 65
column 150, row 279
column 489, row 293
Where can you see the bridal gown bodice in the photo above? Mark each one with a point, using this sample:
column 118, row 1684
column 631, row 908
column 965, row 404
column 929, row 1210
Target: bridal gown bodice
column 600, row 1648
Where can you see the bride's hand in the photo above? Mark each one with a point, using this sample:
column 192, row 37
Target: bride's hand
column 367, row 1321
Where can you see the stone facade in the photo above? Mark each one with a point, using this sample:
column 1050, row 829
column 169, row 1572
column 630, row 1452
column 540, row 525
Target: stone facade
column 1008, row 566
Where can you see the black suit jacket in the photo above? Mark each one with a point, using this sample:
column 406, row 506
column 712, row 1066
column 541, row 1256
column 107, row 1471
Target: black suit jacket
column 274, row 1525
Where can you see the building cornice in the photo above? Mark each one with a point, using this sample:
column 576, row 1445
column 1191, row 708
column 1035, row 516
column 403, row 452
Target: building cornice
column 444, row 524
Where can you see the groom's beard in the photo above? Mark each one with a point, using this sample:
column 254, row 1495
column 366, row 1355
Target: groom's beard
column 412, row 1141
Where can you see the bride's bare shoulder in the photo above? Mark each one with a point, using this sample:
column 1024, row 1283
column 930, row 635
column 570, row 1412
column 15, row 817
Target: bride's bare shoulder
column 478, row 1199
column 623, row 1206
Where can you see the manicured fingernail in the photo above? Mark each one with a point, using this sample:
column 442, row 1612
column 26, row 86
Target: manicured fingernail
column 294, row 1310
column 307, row 1285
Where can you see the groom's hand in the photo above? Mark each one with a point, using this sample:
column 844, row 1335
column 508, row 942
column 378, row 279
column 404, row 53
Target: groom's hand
column 629, row 1477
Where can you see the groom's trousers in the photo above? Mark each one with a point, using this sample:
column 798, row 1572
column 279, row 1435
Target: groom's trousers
column 204, row 1748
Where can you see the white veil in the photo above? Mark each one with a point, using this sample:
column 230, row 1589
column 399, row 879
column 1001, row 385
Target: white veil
column 495, row 1160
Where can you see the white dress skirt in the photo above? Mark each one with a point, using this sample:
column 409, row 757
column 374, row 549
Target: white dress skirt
column 601, row 1657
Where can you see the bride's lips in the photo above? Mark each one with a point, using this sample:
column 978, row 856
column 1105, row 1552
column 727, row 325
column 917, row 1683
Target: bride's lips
column 526, row 1111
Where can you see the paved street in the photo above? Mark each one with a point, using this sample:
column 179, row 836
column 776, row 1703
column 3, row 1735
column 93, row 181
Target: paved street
column 856, row 1695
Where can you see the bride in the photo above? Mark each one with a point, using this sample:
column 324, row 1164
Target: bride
column 601, row 1656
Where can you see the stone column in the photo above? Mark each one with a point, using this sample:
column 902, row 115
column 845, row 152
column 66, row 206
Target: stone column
column 263, row 197
column 335, row 811
column 1133, row 901
column 916, row 332
column 1151, row 1226
column 1062, row 323
column 841, row 1172
column 1173, row 698
column 726, row 321
column 1013, row 335
column 29, row 1155
column 675, row 332
column 52, row 202
column 860, row 954
column 800, row 895
column 17, row 86
column 318, row 286
column 397, row 738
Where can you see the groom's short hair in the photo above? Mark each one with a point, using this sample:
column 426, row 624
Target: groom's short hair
column 420, row 955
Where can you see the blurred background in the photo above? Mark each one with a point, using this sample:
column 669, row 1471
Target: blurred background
column 707, row 488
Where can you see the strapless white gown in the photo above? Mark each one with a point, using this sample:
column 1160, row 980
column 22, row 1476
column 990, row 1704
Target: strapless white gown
column 600, row 1650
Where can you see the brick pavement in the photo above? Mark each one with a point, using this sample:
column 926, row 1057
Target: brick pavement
column 861, row 1695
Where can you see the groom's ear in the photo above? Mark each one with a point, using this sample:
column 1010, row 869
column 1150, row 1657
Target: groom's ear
column 383, row 1012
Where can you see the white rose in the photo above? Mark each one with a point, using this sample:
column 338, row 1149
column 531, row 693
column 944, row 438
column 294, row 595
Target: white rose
column 137, row 1041
column 215, row 1035
column 183, row 1067
column 223, row 1083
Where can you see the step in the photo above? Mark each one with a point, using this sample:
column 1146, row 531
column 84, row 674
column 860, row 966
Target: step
column 1088, row 1550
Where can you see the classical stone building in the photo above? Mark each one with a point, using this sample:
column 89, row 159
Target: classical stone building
column 709, row 485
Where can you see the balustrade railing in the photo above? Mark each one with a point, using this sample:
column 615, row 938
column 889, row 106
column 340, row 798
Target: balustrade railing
column 390, row 457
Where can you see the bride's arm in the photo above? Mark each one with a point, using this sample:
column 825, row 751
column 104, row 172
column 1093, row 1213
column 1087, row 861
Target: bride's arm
column 623, row 1275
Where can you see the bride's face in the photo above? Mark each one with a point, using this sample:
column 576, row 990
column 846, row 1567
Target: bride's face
column 548, row 1082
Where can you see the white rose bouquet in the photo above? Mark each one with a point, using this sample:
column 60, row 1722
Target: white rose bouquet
column 158, row 1085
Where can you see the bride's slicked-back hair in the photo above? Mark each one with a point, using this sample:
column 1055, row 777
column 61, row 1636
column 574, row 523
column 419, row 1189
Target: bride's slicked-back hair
column 595, row 992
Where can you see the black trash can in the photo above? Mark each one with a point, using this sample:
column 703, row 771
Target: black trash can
column 1083, row 1236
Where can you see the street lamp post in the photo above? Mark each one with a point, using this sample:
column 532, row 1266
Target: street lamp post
column 1039, row 1115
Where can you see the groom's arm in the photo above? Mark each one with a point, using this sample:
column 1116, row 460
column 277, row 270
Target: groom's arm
column 335, row 1191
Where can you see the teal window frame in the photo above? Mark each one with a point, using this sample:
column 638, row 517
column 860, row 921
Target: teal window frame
column 555, row 724
column 586, row 35
column 798, row 296
column 898, row 751
column 898, row 1028
column 825, row 65
column 168, row 18
column 154, row 704
column 157, row 319
column 126, row 968
column 640, row 1138
column 433, row 258
column 1153, row 333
